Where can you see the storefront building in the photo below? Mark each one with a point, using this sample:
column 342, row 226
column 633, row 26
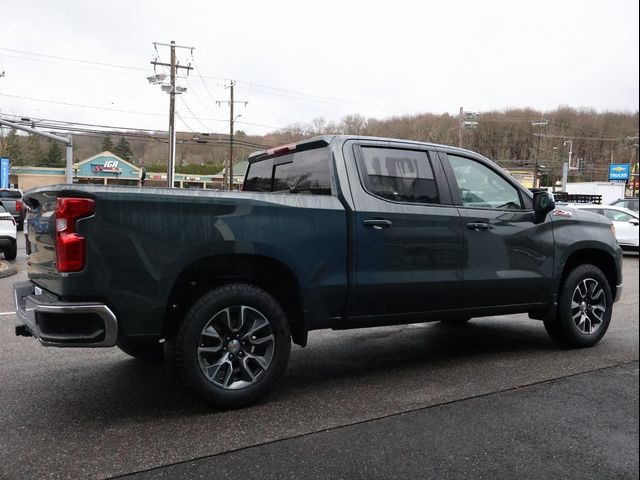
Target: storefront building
column 108, row 169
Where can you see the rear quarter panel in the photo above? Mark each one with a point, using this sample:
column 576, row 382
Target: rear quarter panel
column 139, row 241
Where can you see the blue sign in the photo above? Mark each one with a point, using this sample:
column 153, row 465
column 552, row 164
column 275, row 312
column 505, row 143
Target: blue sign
column 619, row 172
column 4, row 172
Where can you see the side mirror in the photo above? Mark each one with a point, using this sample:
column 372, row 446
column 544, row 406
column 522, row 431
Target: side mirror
column 634, row 221
column 543, row 203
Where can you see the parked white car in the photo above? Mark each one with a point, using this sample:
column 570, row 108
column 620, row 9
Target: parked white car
column 8, row 234
column 624, row 220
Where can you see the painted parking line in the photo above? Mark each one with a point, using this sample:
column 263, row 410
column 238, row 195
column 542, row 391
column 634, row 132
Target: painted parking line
column 7, row 313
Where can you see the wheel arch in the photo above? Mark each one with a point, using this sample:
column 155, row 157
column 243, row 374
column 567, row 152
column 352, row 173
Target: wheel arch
column 207, row 273
column 594, row 256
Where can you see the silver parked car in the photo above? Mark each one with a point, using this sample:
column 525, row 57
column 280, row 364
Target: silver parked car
column 624, row 220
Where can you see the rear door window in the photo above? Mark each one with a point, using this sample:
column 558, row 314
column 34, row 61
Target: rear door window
column 400, row 175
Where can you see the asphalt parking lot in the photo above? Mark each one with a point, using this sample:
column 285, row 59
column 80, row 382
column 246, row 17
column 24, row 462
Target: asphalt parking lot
column 492, row 399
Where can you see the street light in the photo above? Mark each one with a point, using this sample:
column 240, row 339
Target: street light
column 570, row 142
column 566, row 166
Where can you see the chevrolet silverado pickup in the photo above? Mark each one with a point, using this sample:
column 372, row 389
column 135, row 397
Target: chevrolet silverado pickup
column 332, row 232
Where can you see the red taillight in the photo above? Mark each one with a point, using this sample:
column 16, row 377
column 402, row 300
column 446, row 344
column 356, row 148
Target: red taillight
column 19, row 206
column 71, row 247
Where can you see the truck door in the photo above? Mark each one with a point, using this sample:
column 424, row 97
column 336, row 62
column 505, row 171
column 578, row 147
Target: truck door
column 408, row 238
column 507, row 258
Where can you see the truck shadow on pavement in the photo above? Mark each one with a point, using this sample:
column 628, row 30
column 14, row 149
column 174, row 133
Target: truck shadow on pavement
column 416, row 347
column 122, row 388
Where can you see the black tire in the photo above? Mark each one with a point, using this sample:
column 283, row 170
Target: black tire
column 456, row 321
column 582, row 320
column 145, row 350
column 232, row 346
column 11, row 252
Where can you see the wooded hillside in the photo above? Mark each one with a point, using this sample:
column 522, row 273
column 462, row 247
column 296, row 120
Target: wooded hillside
column 505, row 136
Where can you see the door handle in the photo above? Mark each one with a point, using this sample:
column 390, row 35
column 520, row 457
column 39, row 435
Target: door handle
column 377, row 223
column 477, row 226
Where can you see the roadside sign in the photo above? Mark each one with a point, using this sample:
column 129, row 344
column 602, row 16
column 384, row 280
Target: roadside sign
column 4, row 172
column 619, row 172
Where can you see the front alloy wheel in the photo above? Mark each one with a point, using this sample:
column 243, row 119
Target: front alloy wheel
column 584, row 308
column 588, row 306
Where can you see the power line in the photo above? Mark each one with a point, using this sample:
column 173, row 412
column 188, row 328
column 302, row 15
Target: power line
column 67, row 122
column 218, row 143
column 606, row 139
column 69, row 65
column 82, row 105
column 189, row 129
column 101, row 129
column 193, row 90
column 184, row 102
column 202, row 80
column 74, row 59
column 260, row 88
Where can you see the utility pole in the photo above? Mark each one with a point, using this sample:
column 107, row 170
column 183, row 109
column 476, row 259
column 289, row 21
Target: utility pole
column 460, row 126
column 231, row 135
column 232, row 119
column 540, row 123
column 172, row 90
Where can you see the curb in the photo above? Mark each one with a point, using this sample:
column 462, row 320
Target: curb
column 6, row 269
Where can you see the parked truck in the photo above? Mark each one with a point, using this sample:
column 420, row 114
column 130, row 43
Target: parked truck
column 609, row 192
column 333, row 232
column 11, row 198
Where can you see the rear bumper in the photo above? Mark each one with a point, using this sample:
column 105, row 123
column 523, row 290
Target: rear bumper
column 63, row 324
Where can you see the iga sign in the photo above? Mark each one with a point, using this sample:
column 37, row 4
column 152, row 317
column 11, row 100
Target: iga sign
column 109, row 166
column 4, row 172
column 619, row 172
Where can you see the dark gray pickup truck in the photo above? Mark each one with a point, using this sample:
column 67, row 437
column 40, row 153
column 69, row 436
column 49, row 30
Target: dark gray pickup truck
column 334, row 232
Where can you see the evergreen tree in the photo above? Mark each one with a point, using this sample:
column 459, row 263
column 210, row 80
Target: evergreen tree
column 54, row 155
column 32, row 151
column 107, row 144
column 123, row 150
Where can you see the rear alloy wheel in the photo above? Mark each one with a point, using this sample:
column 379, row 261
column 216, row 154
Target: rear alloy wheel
column 584, row 308
column 233, row 346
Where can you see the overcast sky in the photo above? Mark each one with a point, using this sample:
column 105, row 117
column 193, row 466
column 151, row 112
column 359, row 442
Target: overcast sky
column 295, row 61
